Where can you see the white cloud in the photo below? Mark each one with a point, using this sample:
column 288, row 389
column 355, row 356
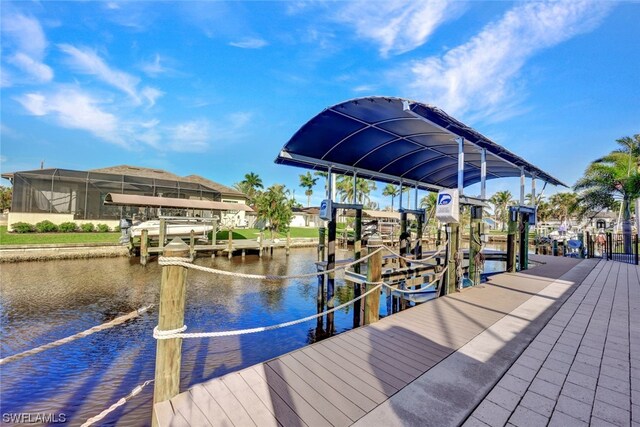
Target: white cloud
column 75, row 109
column 480, row 77
column 155, row 67
column 249, row 43
column 151, row 95
column 192, row 136
column 87, row 61
column 26, row 46
column 38, row 70
column 398, row 26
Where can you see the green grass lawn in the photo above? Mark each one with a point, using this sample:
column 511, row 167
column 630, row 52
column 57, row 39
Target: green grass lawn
column 7, row 238
column 253, row 233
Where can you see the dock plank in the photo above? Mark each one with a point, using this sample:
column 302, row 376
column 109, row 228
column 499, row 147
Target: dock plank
column 307, row 412
column 344, row 379
column 285, row 415
column 228, row 401
column 209, row 407
column 259, row 413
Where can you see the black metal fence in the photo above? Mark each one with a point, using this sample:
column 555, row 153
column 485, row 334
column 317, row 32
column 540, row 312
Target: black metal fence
column 613, row 246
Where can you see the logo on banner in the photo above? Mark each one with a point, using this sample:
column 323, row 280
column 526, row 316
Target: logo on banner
column 444, row 199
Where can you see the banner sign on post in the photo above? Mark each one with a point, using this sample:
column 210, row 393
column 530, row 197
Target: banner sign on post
column 448, row 207
column 325, row 210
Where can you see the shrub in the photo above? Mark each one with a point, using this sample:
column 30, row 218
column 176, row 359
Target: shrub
column 68, row 227
column 23, row 227
column 46, row 226
column 88, row 227
column 103, row 228
column 116, row 228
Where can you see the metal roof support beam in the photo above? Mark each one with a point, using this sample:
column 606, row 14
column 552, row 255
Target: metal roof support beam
column 483, row 173
column 400, row 197
column 329, row 184
column 460, row 165
column 522, row 176
column 416, row 198
column 383, row 177
column 355, row 187
column 534, row 202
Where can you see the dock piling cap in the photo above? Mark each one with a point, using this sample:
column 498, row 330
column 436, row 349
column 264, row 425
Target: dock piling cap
column 177, row 244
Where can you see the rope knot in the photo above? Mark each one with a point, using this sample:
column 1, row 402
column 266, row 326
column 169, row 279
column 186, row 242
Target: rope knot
column 169, row 333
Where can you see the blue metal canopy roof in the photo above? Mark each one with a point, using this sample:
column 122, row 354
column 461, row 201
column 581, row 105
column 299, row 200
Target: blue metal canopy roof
column 392, row 139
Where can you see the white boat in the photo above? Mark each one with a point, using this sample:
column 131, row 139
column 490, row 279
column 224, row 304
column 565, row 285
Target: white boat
column 174, row 229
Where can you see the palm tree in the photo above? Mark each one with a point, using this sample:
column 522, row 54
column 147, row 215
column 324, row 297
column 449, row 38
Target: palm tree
column 501, row 201
column 344, row 187
column 616, row 175
column 564, row 204
column 274, row 206
column 307, row 182
column 429, row 204
column 250, row 186
column 390, row 190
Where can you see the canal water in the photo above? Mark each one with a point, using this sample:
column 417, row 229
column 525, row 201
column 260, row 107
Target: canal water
column 44, row 301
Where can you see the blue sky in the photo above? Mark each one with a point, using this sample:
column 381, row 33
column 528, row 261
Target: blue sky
column 216, row 89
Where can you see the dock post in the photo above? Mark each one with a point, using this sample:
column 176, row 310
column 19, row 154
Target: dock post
column 230, row 243
column 288, row 248
column 511, row 241
column 475, row 244
column 402, row 245
column 524, row 242
column 554, row 248
column 144, row 247
column 192, row 244
column 162, row 233
column 321, row 247
column 452, row 253
column 374, row 275
column 170, row 316
column 581, row 238
column 214, row 232
column 418, row 250
column 609, row 245
column 357, row 254
column 331, row 258
column 260, row 244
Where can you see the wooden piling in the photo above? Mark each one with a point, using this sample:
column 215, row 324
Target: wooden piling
column 374, row 274
column 474, row 243
column 454, row 247
column 230, row 244
column 524, row 241
column 192, row 244
column 144, row 247
column 162, row 233
column 261, row 244
column 511, row 243
column 170, row 316
column 321, row 243
column 288, row 244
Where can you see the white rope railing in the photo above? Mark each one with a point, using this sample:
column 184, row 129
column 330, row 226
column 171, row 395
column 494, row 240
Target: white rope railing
column 184, row 262
column 83, row 334
column 116, row 405
column 170, row 334
column 179, row 332
column 417, row 261
column 422, row 286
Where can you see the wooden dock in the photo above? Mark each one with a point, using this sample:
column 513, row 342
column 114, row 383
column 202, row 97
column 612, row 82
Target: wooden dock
column 339, row 381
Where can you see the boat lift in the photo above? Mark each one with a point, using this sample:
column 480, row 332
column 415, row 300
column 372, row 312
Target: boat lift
column 400, row 141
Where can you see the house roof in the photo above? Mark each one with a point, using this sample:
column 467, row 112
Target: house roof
column 152, row 173
column 170, row 202
column 397, row 140
column 222, row 189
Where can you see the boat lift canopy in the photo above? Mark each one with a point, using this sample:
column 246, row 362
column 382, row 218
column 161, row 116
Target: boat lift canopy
column 400, row 141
